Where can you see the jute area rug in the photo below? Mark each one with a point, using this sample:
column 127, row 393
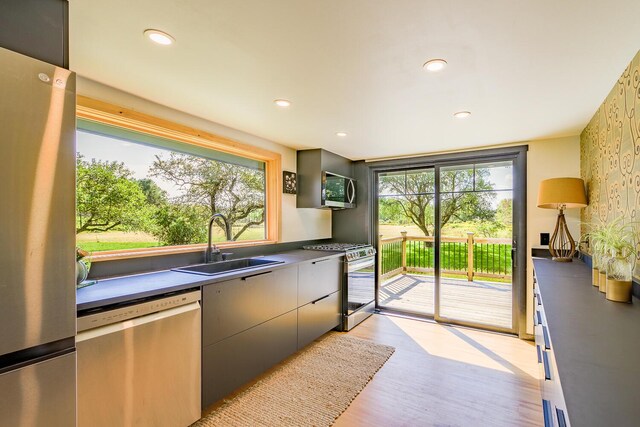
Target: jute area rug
column 311, row 389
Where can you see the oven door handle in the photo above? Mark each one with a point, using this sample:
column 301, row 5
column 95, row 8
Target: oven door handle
column 360, row 264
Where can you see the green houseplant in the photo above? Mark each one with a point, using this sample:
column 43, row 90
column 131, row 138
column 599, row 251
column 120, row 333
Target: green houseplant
column 82, row 266
column 596, row 238
column 621, row 243
column 613, row 250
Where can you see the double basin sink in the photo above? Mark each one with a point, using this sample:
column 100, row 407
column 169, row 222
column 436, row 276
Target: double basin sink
column 230, row 266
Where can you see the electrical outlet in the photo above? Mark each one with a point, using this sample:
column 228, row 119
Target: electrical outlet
column 544, row 238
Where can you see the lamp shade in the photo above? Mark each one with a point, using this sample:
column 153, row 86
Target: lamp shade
column 556, row 192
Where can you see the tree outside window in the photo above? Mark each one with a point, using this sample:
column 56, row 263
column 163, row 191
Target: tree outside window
column 134, row 196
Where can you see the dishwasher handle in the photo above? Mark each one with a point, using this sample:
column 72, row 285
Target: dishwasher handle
column 137, row 321
column 106, row 317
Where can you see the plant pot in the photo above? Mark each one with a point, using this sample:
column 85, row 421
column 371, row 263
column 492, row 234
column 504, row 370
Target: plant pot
column 619, row 290
column 619, row 278
column 595, row 278
column 81, row 272
column 602, row 281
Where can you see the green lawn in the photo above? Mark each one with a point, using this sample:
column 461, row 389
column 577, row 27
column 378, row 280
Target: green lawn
column 112, row 246
column 488, row 258
column 115, row 240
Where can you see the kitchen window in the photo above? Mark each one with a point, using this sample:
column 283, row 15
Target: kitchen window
column 147, row 186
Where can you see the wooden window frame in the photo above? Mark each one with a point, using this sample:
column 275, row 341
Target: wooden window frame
column 109, row 114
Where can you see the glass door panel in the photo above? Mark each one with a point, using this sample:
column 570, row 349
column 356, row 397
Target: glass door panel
column 406, row 225
column 475, row 282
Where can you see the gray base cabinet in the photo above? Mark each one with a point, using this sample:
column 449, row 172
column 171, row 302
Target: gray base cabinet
column 554, row 407
column 316, row 318
column 252, row 323
column 236, row 360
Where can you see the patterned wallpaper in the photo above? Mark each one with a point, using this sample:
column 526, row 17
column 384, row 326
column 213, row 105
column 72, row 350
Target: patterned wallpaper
column 610, row 154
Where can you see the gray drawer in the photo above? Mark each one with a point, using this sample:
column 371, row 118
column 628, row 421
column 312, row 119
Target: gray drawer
column 318, row 317
column 318, row 278
column 237, row 305
column 235, row 361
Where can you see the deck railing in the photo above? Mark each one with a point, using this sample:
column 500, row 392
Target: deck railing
column 470, row 256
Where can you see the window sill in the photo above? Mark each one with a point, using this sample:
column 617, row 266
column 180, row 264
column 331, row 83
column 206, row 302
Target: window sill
column 169, row 250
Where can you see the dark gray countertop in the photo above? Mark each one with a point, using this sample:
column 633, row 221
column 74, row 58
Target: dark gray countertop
column 596, row 343
column 128, row 288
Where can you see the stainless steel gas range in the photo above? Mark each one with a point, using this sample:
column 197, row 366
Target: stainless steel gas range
column 358, row 290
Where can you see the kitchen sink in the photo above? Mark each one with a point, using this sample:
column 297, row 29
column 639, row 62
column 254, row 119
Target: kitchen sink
column 226, row 266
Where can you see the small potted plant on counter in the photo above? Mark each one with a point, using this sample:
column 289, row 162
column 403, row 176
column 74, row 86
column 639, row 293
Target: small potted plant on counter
column 621, row 243
column 82, row 268
column 596, row 238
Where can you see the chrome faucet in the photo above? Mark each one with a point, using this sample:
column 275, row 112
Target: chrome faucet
column 213, row 254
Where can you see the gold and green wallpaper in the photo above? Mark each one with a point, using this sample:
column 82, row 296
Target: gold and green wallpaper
column 610, row 154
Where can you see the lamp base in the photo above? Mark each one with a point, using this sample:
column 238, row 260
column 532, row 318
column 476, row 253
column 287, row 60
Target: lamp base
column 562, row 245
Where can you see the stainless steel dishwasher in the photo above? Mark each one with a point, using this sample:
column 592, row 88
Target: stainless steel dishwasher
column 139, row 364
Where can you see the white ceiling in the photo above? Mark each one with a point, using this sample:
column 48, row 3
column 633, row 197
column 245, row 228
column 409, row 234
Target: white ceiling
column 526, row 69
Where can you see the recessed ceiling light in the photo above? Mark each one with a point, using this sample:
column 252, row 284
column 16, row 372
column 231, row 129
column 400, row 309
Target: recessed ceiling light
column 282, row 102
column 159, row 37
column 462, row 114
column 434, row 65
column 341, row 134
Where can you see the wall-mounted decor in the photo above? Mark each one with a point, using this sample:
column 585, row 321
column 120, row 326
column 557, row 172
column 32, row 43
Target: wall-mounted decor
column 610, row 155
column 289, row 182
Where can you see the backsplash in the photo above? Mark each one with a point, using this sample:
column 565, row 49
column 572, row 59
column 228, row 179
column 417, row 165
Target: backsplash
column 610, row 154
column 127, row 266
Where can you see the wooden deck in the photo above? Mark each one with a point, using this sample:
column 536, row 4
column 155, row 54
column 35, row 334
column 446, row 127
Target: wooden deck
column 481, row 302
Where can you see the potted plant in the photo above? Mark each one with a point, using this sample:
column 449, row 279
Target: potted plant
column 596, row 239
column 82, row 266
column 620, row 242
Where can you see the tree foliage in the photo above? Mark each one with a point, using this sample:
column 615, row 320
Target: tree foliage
column 154, row 195
column 179, row 225
column 504, row 213
column 107, row 197
column 390, row 211
column 235, row 191
column 464, row 197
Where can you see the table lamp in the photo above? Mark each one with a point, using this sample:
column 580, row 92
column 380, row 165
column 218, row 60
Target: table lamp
column 561, row 194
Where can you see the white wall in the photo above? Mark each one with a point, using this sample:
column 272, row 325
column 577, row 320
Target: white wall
column 549, row 158
column 297, row 224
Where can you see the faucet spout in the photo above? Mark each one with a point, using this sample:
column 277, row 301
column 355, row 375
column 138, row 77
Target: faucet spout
column 227, row 231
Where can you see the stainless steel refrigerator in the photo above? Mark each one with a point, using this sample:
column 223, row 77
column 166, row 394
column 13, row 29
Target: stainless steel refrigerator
column 37, row 247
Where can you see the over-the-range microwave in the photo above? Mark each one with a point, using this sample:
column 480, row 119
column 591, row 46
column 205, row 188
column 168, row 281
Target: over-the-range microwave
column 338, row 192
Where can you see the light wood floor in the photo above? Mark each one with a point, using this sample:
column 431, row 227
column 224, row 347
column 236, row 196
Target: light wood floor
column 446, row 376
column 480, row 302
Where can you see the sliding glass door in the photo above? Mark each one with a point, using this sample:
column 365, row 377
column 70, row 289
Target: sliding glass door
column 406, row 214
column 475, row 235
column 445, row 239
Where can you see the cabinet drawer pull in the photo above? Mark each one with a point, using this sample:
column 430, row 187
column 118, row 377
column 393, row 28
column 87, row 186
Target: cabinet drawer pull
column 320, row 260
column 548, row 414
column 539, row 353
column 246, row 278
column 539, row 317
column 545, row 363
column 320, row 299
column 562, row 422
column 545, row 335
